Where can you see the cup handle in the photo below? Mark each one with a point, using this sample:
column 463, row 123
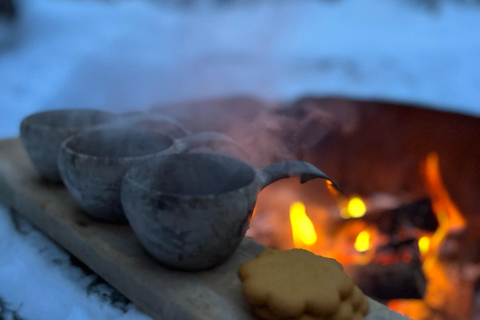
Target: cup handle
column 206, row 139
column 281, row 170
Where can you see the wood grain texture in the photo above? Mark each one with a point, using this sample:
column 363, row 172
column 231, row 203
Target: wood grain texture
column 114, row 253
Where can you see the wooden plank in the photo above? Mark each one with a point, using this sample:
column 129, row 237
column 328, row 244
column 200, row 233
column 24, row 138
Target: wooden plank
column 114, row 253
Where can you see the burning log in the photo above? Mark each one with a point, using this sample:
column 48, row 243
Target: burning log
column 417, row 214
column 394, row 273
column 392, row 281
column 398, row 251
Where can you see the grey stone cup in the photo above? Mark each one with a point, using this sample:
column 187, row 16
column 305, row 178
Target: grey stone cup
column 191, row 211
column 42, row 135
column 151, row 121
column 93, row 163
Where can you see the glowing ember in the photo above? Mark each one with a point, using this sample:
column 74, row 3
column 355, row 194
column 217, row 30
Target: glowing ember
column 362, row 243
column 303, row 231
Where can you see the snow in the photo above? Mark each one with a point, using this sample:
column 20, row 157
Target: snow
column 39, row 282
column 131, row 55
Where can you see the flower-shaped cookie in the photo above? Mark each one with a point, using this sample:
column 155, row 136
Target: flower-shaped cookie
column 298, row 285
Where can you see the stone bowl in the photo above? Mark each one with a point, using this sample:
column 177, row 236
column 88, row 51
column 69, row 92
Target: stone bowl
column 191, row 211
column 93, row 163
column 43, row 133
column 152, row 121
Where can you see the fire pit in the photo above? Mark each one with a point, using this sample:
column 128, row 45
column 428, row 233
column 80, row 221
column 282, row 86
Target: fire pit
column 406, row 229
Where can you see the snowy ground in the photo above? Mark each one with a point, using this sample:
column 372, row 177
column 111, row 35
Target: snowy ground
column 131, row 55
column 39, row 282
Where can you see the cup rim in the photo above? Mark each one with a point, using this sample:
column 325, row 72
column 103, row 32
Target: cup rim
column 209, row 196
column 27, row 119
column 81, row 134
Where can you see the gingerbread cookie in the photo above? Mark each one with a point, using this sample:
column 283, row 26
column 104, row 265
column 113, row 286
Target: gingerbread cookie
column 298, row 285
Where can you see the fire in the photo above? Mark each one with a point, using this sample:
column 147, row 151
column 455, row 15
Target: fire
column 449, row 216
column 303, row 231
column 362, row 243
column 355, row 208
column 450, row 219
column 424, row 244
column 442, row 203
column 332, row 188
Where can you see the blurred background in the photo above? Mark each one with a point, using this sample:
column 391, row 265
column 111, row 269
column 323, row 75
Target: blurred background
column 130, row 55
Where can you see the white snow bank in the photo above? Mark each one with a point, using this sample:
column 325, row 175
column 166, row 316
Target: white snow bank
column 39, row 282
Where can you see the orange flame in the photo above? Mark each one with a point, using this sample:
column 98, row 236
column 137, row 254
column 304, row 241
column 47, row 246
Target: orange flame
column 450, row 220
column 442, row 203
column 303, row 231
column 363, row 241
column 449, row 217
column 332, row 188
column 355, row 208
column 424, row 245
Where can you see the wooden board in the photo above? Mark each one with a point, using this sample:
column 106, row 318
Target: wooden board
column 114, row 253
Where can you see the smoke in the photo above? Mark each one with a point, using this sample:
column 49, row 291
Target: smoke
column 268, row 131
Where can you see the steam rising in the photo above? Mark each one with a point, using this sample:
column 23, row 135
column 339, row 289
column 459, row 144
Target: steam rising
column 268, row 131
